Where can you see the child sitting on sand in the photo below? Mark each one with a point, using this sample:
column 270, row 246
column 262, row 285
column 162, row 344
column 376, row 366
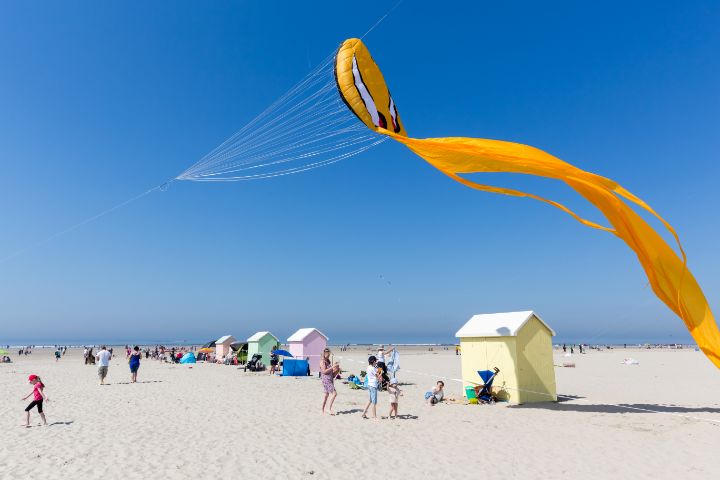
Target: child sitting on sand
column 38, row 397
column 436, row 394
column 395, row 393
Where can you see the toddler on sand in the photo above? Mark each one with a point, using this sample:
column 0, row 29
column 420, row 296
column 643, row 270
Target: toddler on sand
column 395, row 393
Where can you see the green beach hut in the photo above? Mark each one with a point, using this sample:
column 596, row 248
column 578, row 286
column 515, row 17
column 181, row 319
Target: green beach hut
column 262, row 343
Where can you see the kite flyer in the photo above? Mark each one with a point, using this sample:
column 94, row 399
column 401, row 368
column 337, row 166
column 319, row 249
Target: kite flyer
column 38, row 397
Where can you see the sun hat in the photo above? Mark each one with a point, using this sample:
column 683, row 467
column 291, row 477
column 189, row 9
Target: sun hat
column 32, row 377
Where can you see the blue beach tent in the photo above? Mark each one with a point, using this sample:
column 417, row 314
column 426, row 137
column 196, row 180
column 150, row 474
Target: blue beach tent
column 295, row 368
column 188, row 358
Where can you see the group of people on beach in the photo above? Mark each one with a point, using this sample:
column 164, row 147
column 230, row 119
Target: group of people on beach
column 376, row 374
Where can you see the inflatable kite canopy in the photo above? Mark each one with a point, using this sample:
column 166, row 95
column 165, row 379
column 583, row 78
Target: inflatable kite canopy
column 362, row 87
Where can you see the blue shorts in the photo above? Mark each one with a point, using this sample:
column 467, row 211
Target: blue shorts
column 373, row 394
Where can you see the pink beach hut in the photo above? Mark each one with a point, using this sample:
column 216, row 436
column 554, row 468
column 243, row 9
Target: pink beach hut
column 308, row 343
column 222, row 346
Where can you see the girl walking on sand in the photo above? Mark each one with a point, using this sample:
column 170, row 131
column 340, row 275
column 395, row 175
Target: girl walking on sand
column 38, row 397
column 328, row 371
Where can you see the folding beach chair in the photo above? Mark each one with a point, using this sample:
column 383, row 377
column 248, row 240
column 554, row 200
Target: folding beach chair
column 484, row 392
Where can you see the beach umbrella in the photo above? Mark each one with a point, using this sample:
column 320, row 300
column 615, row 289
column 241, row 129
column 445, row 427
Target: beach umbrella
column 206, row 350
column 284, row 353
column 209, row 344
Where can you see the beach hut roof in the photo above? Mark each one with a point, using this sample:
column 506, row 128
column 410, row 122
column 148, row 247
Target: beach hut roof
column 224, row 339
column 506, row 324
column 259, row 335
column 301, row 334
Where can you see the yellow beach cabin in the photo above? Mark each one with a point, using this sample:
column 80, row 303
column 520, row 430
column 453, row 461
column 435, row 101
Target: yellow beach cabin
column 520, row 345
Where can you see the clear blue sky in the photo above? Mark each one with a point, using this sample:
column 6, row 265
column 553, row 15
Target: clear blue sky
column 102, row 100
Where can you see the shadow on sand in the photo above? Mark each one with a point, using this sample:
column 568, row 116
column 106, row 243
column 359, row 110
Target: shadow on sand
column 349, row 412
column 130, row 383
column 563, row 405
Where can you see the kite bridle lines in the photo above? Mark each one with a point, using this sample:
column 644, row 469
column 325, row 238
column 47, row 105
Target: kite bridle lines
column 308, row 127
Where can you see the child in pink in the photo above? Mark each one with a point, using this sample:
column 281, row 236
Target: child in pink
column 38, row 397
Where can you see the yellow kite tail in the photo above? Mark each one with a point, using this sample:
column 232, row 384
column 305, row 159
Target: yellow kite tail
column 668, row 274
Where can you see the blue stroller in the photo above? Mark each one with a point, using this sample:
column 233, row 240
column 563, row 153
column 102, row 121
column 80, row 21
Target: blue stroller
column 484, row 392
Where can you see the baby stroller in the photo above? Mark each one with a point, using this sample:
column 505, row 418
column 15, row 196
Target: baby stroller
column 254, row 364
column 483, row 393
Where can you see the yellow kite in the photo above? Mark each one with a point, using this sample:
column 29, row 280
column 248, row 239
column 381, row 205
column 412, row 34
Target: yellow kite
column 362, row 87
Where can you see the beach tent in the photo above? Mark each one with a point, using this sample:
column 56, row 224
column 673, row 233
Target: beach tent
column 308, row 343
column 295, row 368
column 520, row 345
column 240, row 349
column 189, row 357
column 262, row 343
column 222, row 346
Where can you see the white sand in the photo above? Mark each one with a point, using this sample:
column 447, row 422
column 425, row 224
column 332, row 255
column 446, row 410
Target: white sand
column 211, row 420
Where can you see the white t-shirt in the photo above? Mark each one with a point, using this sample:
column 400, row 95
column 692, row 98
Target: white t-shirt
column 381, row 356
column 372, row 376
column 103, row 357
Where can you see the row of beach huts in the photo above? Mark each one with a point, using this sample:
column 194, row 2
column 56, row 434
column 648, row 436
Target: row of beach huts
column 306, row 343
column 517, row 345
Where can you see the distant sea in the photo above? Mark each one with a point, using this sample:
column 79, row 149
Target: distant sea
column 44, row 342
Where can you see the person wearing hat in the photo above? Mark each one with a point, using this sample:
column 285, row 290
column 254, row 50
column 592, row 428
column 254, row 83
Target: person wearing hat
column 381, row 365
column 38, row 397
column 395, row 393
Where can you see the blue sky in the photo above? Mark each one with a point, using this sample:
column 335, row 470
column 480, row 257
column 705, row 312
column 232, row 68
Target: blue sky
column 101, row 101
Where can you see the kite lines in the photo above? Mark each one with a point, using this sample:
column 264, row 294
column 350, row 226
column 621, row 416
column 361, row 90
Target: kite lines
column 309, row 127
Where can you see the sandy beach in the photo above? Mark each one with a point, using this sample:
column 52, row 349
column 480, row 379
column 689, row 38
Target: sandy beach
column 217, row 420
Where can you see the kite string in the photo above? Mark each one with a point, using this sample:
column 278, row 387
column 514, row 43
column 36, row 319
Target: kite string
column 309, row 127
column 59, row 233
column 307, row 121
column 286, row 117
column 381, row 19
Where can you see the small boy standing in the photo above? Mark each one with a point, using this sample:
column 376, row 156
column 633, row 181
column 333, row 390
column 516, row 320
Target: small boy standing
column 395, row 393
column 372, row 379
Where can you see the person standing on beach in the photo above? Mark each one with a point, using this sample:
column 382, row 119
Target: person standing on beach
column 395, row 393
column 382, row 365
column 103, row 357
column 373, row 376
column 134, row 362
column 274, row 360
column 38, row 397
column 328, row 371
